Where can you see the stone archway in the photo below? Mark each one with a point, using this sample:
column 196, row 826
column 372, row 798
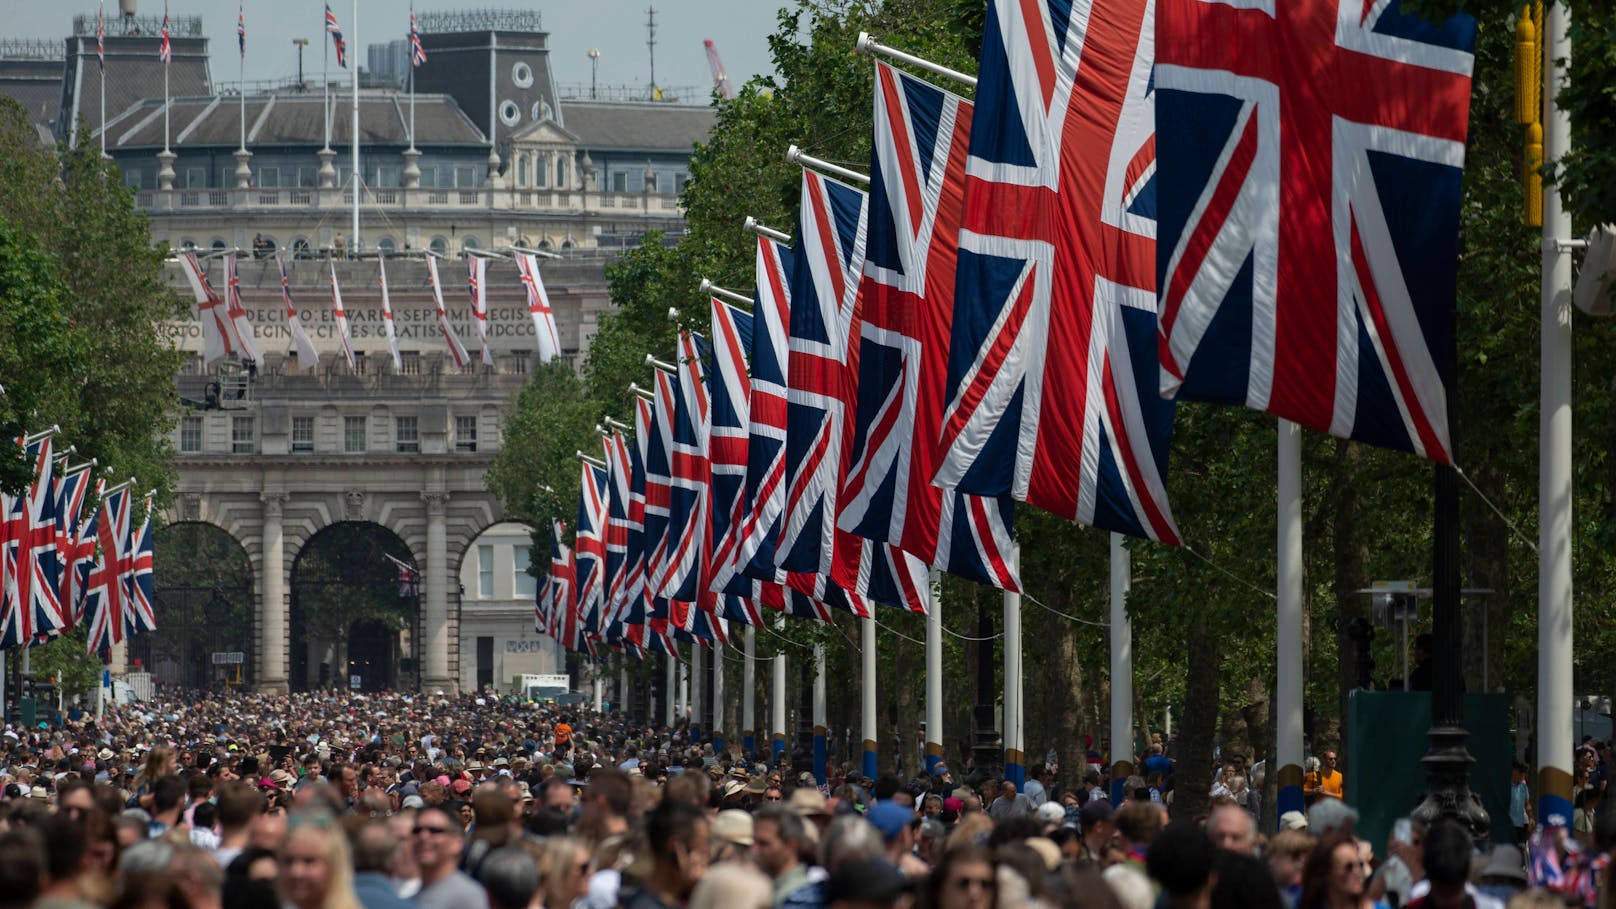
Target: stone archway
column 203, row 592
column 351, row 613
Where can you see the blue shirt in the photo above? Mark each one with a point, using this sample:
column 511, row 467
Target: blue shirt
column 1519, row 793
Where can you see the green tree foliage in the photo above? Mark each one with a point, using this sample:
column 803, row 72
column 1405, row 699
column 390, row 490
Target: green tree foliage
column 85, row 306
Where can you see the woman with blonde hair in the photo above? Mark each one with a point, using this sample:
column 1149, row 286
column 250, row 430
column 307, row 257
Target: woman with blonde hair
column 731, row 885
column 564, row 871
column 160, row 762
column 316, row 869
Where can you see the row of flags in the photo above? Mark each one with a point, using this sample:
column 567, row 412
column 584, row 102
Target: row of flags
column 70, row 557
column 227, row 332
column 1149, row 200
column 165, row 51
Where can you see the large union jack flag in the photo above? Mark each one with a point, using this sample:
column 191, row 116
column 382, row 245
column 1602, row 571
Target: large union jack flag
column 106, row 601
column 658, row 492
column 823, row 377
column 615, row 448
column 633, row 610
column 689, row 473
column 906, row 305
column 589, row 542
column 337, row 40
column 1050, row 395
column 557, row 604
column 1311, row 154
column 75, row 541
column 30, row 602
column 138, row 578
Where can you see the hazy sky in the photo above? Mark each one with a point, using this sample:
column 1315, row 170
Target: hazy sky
column 617, row 27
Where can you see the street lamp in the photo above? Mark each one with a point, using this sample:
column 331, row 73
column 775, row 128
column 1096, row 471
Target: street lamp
column 594, row 70
column 301, row 43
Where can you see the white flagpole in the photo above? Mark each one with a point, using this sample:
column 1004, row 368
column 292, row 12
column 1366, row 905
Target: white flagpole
column 697, row 683
column 241, row 69
column 170, row 41
column 100, row 53
column 749, row 695
column 1288, row 637
column 871, row 734
column 1121, row 670
column 819, row 708
column 413, row 66
column 325, row 79
column 777, row 705
column 934, row 674
column 670, row 689
column 715, row 734
column 1014, row 762
column 354, row 154
column 1555, row 691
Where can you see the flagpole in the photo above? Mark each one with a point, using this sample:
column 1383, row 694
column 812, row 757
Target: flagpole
column 749, row 694
column 413, row 67
column 1121, row 670
column 1014, row 767
column 1288, row 692
column 717, row 734
column 325, row 80
column 669, row 689
column 867, row 652
column 101, row 57
column 777, row 703
column 819, row 713
column 697, row 702
column 241, row 69
column 103, row 110
column 1555, row 689
column 354, row 154
column 165, row 81
column 934, row 674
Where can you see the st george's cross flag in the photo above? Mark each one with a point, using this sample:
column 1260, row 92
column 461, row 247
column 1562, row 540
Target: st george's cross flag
column 538, row 305
column 477, row 287
column 1311, row 154
column 1050, row 395
column 821, row 397
column 236, row 310
column 387, row 314
column 307, row 357
column 451, row 340
column 905, row 308
column 341, row 316
column 218, row 328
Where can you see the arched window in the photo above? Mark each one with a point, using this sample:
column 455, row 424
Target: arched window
column 521, row 170
column 566, row 245
column 386, row 245
column 439, row 245
column 546, row 245
column 188, row 245
column 469, row 242
column 300, row 248
column 219, row 245
column 561, row 171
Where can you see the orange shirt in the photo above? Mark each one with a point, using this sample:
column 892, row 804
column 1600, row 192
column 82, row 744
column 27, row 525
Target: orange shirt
column 564, row 734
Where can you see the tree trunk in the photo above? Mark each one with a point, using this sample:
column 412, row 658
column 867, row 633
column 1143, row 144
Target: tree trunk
column 1067, row 711
column 1351, row 574
column 1192, row 777
column 908, row 695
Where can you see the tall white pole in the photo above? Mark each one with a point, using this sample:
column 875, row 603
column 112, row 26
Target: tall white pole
column 670, row 689
column 934, row 674
column 165, row 99
column 684, row 686
column 1554, row 628
column 871, row 734
column 354, row 154
column 1288, row 694
column 241, row 75
column 103, row 110
column 1015, row 766
column 819, row 713
column 1121, row 669
column 325, row 82
column 717, row 708
column 698, row 655
column 777, row 706
column 749, row 695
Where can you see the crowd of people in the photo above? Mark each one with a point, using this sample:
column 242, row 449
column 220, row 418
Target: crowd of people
column 342, row 801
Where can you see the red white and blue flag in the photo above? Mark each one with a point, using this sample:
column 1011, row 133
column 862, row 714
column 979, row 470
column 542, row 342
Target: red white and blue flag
column 336, row 36
column 538, row 305
column 589, row 542
column 658, row 493
column 101, row 35
column 1050, row 396
column 688, row 473
column 822, row 395
column 241, row 29
column 1311, row 157
column 633, row 610
column 615, row 447
column 30, row 565
column 417, row 52
column 906, row 305
column 165, row 51
column 75, row 541
column 138, row 579
column 106, row 601
column 560, row 607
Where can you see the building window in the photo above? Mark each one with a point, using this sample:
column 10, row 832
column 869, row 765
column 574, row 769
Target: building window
column 407, row 434
column 521, row 171
column 523, row 584
column 409, row 362
column 470, row 242
column 358, row 362
column 465, row 176
column 387, row 176
column 308, row 176
column 196, row 178
column 353, row 435
column 485, row 572
column 269, row 177
column 302, row 434
column 191, row 435
column 386, row 245
column 620, row 182
column 131, row 179
column 243, row 438
column 439, row 245
column 465, row 433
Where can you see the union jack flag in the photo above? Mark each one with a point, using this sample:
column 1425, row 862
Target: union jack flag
column 336, row 36
column 477, row 285
column 137, row 577
column 617, row 504
column 241, row 28
column 561, row 589
column 538, row 304
column 30, row 565
column 417, row 52
column 907, row 302
column 766, row 416
column 589, row 542
column 633, row 609
column 688, row 471
column 730, row 387
column 457, row 351
column 307, row 356
column 1312, row 154
column 106, row 602
column 658, row 495
column 165, row 51
column 1050, row 396
column 75, row 541
column 242, row 332
column 101, row 36
column 823, row 373
column 342, row 316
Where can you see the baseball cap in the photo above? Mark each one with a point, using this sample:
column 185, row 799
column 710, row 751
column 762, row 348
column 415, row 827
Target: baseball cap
column 890, row 818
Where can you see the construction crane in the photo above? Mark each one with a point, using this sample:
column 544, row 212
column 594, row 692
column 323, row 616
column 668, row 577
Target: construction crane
column 720, row 76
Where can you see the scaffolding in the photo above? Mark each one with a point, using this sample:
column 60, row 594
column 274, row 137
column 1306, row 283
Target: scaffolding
column 480, row 20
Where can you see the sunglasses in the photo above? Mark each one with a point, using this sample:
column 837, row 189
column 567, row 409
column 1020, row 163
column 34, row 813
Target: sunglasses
column 424, row 830
column 971, row 883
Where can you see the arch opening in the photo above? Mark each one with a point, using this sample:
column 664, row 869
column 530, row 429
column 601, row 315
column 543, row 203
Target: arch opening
column 354, row 617
column 203, row 600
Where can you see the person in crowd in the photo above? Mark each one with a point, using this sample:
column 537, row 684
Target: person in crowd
column 677, row 833
column 778, row 838
column 1231, row 828
column 509, row 878
column 375, row 851
column 315, row 868
column 1334, row 875
column 437, row 841
column 964, row 879
column 733, row 885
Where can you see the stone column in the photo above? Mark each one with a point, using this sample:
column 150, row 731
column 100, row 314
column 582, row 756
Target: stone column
column 435, row 610
column 412, row 168
column 272, row 586
column 243, row 169
column 165, row 170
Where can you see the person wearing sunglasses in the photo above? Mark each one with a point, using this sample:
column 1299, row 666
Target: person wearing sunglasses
column 964, row 879
column 436, row 841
